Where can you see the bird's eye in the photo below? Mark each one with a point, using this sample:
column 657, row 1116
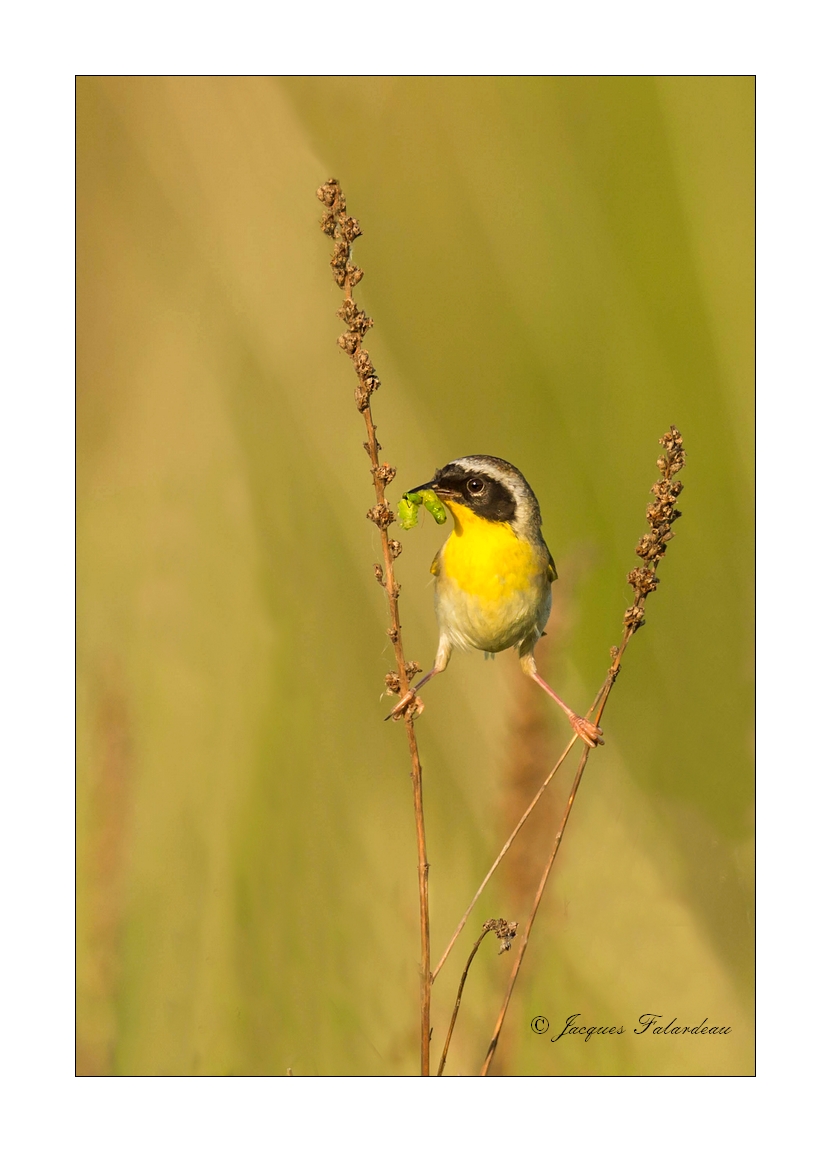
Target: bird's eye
column 475, row 486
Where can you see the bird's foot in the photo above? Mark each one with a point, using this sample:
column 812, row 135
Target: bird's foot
column 410, row 704
column 589, row 733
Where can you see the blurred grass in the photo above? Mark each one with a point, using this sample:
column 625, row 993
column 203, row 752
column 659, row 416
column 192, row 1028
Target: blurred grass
column 558, row 269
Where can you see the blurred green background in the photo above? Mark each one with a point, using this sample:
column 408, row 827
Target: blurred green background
column 558, row 269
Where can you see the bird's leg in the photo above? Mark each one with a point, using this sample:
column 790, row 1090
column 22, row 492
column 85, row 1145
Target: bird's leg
column 439, row 665
column 589, row 733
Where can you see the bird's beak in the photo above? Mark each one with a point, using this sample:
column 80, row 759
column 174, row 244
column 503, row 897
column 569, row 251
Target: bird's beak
column 432, row 486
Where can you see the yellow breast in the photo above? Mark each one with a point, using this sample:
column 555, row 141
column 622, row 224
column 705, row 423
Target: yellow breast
column 488, row 559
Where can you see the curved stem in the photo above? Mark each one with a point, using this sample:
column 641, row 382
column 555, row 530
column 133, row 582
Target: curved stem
column 600, row 704
column 523, row 944
column 443, row 1060
column 499, row 858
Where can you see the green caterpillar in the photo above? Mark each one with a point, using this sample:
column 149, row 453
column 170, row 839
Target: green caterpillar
column 408, row 508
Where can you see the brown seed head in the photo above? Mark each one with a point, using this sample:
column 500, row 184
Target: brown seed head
column 350, row 229
column 363, row 365
column 385, row 473
column 505, row 932
column 381, row 514
column 634, row 617
column 643, row 580
column 329, row 192
column 356, row 319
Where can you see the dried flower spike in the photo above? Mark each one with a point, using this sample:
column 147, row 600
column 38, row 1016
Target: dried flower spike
column 661, row 513
column 344, row 230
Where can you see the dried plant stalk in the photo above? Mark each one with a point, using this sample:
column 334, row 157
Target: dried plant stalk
column 505, row 847
column 661, row 514
column 505, row 933
column 344, row 230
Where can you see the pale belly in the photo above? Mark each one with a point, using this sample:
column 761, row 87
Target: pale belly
column 492, row 623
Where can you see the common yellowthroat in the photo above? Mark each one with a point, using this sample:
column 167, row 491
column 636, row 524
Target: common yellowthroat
column 494, row 573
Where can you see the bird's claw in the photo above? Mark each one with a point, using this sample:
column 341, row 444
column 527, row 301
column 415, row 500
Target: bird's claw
column 410, row 705
column 589, row 733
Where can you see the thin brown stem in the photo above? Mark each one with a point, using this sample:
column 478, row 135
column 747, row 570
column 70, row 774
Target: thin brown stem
column 505, row 931
column 661, row 514
column 394, row 632
column 475, row 949
column 509, row 842
column 523, row 944
column 345, row 229
column 603, row 696
column 499, row 858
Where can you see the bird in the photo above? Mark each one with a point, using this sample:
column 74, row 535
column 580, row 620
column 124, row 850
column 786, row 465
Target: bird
column 493, row 574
